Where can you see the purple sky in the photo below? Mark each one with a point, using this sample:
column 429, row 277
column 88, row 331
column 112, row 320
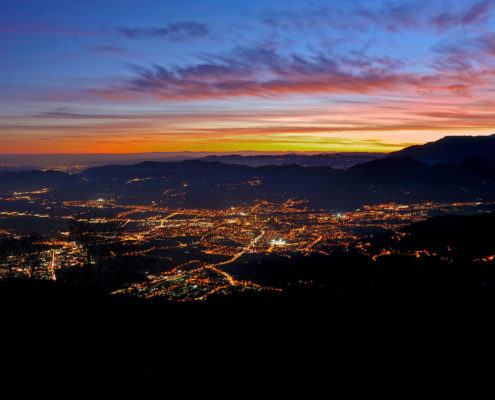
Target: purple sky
column 129, row 76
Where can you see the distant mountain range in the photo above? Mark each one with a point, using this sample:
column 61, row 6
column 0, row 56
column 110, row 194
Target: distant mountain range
column 448, row 150
column 212, row 184
column 333, row 160
column 77, row 162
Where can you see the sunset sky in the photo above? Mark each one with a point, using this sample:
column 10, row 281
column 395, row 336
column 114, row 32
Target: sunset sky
column 79, row 76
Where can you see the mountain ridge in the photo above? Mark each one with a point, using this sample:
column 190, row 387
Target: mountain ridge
column 450, row 149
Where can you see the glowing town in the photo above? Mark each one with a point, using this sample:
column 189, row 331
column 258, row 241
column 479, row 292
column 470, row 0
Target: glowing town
column 188, row 254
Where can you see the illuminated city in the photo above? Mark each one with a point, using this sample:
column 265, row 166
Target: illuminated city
column 191, row 248
column 247, row 199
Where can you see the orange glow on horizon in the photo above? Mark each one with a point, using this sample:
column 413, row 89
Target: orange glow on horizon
column 316, row 142
column 375, row 125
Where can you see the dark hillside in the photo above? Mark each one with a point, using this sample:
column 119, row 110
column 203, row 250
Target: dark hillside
column 351, row 328
column 450, row 149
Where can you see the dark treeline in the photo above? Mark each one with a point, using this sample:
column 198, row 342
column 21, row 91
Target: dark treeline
column 27, row 252
column 347, row 327
column 458, row 236
column 100, row 267
column 103, row 267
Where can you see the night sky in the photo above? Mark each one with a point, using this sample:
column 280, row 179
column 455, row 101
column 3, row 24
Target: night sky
column 265, row 75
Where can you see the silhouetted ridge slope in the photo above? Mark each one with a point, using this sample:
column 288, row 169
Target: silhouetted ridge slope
column 459, row 235
column 201, row 184
column 348, row 327
column 333, row 160
column 401, row 167
column 451, row 149
column 33, row 180
column 467, row 234
column 157, row 167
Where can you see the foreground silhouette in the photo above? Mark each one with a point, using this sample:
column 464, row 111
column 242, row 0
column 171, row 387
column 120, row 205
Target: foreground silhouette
column 350, row 328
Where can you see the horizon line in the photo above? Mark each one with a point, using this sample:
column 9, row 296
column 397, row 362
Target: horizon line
column 233, row 152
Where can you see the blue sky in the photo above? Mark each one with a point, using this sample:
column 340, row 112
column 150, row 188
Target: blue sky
column 113, row 76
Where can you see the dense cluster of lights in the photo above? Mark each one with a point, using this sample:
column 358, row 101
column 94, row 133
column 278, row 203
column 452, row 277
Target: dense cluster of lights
column 195, row 246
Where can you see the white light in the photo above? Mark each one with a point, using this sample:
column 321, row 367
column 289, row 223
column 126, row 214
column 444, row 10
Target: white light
column 278, row 242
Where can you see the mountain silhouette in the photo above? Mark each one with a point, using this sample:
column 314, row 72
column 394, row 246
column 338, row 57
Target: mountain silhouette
column 400, row 178
column 333, row 160
column 450, row 150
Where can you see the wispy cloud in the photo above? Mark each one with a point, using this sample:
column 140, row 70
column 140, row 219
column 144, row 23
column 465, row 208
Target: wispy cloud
column 478, row 46
column 302, row 73
column 108, row 49
column 390, row 15
column 262, row 73
column 474, row 15
column 178, row 31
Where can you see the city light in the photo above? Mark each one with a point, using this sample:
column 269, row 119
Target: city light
column 194, row 249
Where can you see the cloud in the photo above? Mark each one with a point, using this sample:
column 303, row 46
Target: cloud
column 174, row 32
column 474, row 15
column 265, row 71
column 466, row 54
column 261, row 72
column 389, row 15
column 480, row 45
column 108, row 49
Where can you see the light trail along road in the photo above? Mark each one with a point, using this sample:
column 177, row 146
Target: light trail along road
column 229, row 277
